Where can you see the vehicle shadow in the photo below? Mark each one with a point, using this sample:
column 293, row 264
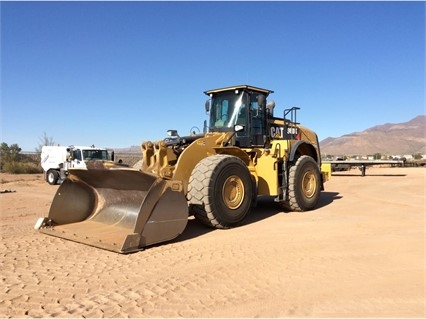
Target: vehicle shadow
column 193, row 229
column 367, row 175
column 266, row 208
column 327, row 198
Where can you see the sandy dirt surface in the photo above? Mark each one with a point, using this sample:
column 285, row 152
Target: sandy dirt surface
column 360, row 254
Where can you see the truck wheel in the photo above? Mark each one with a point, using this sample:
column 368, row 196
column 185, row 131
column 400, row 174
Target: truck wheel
column 304, row 184
column 220, row 191
column 52, row 177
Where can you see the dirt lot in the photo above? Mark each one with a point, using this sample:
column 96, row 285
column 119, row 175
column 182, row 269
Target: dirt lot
column 360, row 254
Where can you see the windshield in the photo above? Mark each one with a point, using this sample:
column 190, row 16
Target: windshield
column 95, row 154
column 227, row 109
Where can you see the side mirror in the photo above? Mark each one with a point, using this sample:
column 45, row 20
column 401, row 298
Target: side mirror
column 239, row 128
column 207, row 105
column 112, row 156
column 270, row 107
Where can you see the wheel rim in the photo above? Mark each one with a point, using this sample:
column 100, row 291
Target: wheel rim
column 233, row 192
column 309, row 184
column 50, row 177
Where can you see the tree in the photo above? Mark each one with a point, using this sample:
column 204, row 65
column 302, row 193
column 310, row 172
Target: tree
column 9, row 154
column 44, row 141
column 11, row 161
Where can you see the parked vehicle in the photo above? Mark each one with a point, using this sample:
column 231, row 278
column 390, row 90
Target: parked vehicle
column 57, row 160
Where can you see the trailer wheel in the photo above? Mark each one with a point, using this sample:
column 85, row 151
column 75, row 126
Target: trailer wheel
column 52, row 177
column 220, row 191
column 304, row 184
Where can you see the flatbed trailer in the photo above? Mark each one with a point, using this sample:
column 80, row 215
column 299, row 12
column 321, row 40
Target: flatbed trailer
column 362, row 164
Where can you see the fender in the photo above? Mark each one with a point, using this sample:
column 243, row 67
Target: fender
column 304, row 148
column 235, row 151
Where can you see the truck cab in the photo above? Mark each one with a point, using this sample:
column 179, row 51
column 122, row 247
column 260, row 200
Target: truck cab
column 57, row 160
column 79, row 155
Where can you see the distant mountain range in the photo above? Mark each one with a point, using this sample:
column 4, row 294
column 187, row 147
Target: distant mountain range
column 388, row 139
column 392, row 139
column 132, row 149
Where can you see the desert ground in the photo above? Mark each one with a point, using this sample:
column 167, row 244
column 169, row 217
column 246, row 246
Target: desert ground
column 360, row 254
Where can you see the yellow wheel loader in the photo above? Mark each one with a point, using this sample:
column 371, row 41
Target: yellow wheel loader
column 216, row 176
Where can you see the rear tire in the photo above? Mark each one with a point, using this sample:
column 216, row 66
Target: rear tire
column 220, row 191
column 304, row 184
column 52, row 177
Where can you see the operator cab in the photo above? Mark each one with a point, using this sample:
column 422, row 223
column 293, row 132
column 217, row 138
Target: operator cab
column 241, row 106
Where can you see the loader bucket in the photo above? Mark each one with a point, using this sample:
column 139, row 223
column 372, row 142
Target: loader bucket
column 118, row 209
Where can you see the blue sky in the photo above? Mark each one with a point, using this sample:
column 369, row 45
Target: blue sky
column 115, row 74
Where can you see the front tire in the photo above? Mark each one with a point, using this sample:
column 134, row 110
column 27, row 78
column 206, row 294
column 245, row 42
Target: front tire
column 220, row 191
column 304, row 184
column 52, row 177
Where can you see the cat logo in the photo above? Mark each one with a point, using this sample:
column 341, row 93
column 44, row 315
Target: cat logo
column 277, row 131
column 285, row 132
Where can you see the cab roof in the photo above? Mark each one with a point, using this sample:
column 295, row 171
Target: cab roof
column 240, row 87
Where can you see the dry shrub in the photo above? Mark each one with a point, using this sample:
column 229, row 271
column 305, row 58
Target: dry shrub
column 21, row 168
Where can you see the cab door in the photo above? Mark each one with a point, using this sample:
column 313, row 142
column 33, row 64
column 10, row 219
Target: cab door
column 242, row 138
column 257, row 122
column 77, row 159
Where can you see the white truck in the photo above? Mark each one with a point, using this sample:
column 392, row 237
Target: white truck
column 56, row 160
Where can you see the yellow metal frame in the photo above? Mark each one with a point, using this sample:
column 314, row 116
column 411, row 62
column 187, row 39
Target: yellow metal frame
column 263, row 163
